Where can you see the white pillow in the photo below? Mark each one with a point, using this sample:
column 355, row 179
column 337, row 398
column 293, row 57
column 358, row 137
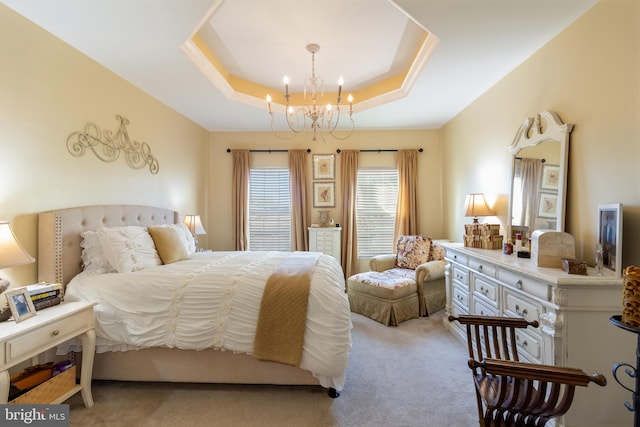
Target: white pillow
column 93, row 259
column 128, row 248
column 185, row 236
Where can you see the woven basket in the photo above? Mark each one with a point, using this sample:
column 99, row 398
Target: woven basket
column 631, row 297
column 50, row 390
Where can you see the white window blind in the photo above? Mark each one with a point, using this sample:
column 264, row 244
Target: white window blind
column 376, row 201
column 269, row 210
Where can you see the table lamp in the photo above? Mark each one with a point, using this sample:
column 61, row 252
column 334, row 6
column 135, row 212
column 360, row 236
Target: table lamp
column 476, row 206
column 194, row 225
column 11, row 254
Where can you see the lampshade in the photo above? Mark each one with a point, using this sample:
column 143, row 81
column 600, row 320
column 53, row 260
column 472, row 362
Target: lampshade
column 194, row 224
column 476, row 206
column 11, row 251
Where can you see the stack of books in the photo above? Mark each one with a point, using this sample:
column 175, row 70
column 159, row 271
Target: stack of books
column 45, row 295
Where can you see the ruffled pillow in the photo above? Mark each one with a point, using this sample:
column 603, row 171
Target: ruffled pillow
column 412, row 251
column 93, row 259
column 129, row 248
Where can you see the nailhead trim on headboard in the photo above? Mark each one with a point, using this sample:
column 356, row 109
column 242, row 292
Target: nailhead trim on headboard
column 58, row 250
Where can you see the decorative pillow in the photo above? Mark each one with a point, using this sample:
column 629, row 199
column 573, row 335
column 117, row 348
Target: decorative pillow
column 185, row 236
column 168, row 244
column 437, row 252
column 412, row 251
column 128, row 248
column 93, row 259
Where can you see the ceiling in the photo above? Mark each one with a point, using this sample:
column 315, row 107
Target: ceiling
column 473, row 44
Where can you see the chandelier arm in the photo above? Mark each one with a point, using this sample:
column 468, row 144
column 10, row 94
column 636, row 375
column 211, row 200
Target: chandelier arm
column 353, row 125
column 276, row 132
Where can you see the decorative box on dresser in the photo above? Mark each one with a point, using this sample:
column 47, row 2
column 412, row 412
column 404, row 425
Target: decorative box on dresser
column 573, row 311
column 325, row 240
column 20, row 342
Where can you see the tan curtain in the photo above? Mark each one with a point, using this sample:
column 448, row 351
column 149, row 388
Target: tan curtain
column 240, row 196
column 530, row 170
column 299, row 206
column 349, row 173
column 407, row 216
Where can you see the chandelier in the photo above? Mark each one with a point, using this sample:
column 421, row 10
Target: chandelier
column 311, row 115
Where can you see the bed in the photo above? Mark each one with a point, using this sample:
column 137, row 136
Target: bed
column 224, row 357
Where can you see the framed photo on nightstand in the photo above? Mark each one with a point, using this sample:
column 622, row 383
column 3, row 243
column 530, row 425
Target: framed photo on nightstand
column 20, row 304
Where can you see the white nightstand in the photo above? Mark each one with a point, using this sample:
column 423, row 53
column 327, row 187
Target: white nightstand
column 48, row 328
column 325, row 240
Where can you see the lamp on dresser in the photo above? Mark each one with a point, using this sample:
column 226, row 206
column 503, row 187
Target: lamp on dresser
column 194, row 225
column 11, row 254
column 476, row 205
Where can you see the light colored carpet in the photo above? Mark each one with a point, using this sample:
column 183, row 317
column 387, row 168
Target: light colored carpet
column 414, row 374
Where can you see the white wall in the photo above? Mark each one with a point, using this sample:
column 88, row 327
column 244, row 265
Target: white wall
column 49, row 90
column 589, row 75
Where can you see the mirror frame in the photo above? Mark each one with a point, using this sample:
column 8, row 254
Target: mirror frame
column 530, row 134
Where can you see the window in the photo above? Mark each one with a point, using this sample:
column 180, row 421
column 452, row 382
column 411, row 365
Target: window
column 269, row 210
column 376, row 201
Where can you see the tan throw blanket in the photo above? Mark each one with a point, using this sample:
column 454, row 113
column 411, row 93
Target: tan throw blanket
column 283, row 310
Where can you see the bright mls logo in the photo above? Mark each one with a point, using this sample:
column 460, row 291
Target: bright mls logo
column 34, row 415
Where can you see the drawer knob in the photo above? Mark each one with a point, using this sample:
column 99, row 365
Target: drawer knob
column 522, row 313
column 55, row 333
column 519, row 284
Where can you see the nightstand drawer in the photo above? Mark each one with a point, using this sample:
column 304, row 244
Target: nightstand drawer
column 49, row 335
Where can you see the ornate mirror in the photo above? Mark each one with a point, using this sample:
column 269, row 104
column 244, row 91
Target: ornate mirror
column 539, row 174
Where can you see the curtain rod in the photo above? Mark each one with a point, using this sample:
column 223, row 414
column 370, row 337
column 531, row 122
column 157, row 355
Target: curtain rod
column 541, row 160
column 268, row 151
column 378, row 151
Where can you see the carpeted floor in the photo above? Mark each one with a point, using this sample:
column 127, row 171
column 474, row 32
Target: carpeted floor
column 414, row 374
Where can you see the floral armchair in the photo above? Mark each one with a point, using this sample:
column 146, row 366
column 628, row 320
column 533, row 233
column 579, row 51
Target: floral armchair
column 401, row 286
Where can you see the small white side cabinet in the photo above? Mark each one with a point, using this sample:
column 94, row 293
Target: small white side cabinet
column 325, row 240
column 51, row 326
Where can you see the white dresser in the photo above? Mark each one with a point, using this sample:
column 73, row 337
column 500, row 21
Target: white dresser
column 325, row 240
column 573, row 311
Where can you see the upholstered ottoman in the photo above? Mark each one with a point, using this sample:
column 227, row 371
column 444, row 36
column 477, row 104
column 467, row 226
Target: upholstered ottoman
column 382, row 296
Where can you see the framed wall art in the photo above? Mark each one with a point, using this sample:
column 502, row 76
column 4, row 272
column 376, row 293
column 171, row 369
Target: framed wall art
column 324, row 194
column 550, row 177
column 324, row 166
column 610, row 236
column 547, row 205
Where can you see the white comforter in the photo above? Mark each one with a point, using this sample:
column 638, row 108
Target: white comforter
column 212, row 301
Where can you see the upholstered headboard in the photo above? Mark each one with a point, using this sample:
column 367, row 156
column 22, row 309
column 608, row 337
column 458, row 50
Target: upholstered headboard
column 59, row 251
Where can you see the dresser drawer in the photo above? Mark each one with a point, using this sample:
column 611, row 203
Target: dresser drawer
column 482, row 309
column 529, row 346
column 486, row 289
column 461, row 275
column 458, row 310
column 525, row 284
column 461, row 296
column 520, row 306
column 482, row 267
column 48, row 335
column 457, row 257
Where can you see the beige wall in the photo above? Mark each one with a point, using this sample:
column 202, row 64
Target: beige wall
column 430, row 171
column 50, row 90
column 590, row 75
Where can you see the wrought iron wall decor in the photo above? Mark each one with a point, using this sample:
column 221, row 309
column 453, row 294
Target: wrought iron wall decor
column 108, row 145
